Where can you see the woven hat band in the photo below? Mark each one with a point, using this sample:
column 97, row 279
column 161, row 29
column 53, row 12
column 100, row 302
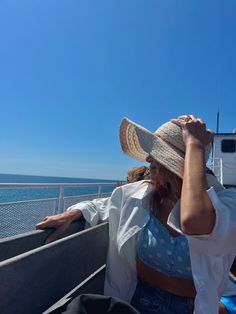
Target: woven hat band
column 177, row 149
column 171, row 134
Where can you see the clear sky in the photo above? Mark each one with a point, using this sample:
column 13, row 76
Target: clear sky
column 70, row 70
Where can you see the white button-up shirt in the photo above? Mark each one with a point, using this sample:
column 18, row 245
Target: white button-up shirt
column 211, row 255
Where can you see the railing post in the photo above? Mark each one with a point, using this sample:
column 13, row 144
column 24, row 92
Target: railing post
column 55, row 209
column 99, row 191
column 61, row 200
column 221, row 172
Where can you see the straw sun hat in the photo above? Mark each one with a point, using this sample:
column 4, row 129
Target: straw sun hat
column 165, row 145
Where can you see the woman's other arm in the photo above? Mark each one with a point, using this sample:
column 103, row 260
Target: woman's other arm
column 197, row 212
column 93, row 211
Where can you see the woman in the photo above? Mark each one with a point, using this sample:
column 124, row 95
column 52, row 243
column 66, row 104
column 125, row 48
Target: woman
column 153, row 235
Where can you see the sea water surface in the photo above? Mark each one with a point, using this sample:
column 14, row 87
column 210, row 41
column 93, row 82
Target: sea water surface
column 13, row 195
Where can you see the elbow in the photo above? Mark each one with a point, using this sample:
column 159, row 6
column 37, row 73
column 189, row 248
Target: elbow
column 189, row 226
column 198, row 225
column 197, row 216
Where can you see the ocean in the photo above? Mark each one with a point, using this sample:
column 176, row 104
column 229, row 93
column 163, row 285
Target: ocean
column 34, row 204
column 13, row 195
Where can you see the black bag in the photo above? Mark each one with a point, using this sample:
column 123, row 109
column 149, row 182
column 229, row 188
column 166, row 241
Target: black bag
column 98, row 304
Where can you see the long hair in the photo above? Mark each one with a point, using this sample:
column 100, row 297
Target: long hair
column 138, row 174
column 167, row 187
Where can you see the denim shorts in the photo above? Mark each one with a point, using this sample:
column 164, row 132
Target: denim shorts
column 229, row 303
column 149, row 300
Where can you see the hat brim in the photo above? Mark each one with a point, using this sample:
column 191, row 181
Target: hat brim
column 138, row 142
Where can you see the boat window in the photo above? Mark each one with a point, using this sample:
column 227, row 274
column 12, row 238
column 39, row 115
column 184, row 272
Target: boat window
column 228, row 146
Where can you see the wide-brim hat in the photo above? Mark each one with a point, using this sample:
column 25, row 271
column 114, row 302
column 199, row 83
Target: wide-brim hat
column 165, row 145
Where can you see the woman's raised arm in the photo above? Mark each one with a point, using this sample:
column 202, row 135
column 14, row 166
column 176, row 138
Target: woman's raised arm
column 197, row 212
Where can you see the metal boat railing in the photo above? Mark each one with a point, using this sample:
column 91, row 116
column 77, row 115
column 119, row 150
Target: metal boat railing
column 21, row 216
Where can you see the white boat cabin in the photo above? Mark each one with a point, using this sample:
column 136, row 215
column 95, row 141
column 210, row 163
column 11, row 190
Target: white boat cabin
column 224, row 158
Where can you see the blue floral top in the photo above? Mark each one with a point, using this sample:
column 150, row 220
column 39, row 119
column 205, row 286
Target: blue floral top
column 168, row 254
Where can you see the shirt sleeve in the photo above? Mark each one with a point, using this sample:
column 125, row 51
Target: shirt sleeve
column 98, row 209
column 222, row 238
column 92, row 211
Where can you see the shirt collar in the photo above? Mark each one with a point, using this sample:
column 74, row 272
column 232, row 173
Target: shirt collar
column 144, row 189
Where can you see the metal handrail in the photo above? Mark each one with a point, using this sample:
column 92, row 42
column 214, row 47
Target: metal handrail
column 61, row 187
column 14, row 223
column 55, row 185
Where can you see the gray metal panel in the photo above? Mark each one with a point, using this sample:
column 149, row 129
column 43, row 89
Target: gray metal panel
column 94, row 284
column 19, row 244
column 33, row 281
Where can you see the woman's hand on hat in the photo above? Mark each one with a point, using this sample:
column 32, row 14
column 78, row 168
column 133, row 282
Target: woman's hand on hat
column 194, row 130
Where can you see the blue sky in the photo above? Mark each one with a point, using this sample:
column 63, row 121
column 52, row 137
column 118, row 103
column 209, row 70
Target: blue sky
column 71, row 70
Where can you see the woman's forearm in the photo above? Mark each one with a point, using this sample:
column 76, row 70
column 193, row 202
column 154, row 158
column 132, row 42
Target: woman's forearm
column 74, row 214
column 197, row 212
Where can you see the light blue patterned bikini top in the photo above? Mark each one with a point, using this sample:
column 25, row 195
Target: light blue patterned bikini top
column 157, row 248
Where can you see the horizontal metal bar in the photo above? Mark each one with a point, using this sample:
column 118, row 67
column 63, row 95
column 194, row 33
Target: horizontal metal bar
column 31, row 201
column 94, row 195
column 21, row 243
column 52, row 185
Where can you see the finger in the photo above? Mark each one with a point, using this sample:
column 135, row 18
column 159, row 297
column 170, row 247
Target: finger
column 201, row 120
column 40, row 226
column 210, row 136
column 45, row 224
column 210, row 131
column 180, row 123
column 193, row 117
column 184, row 117
column 56, row 234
